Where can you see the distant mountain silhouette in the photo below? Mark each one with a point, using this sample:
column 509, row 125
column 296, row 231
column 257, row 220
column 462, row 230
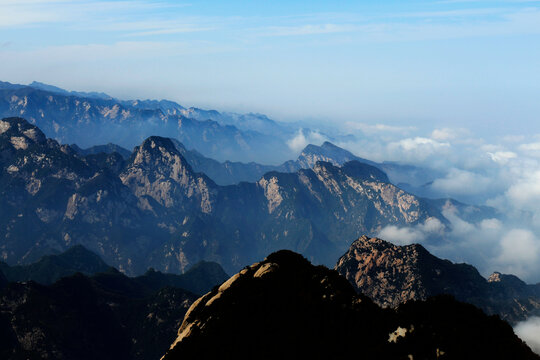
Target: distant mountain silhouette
column 198, row 279
column 107, row 149
column 88, row 119
column 52, row 267
column 107, row 316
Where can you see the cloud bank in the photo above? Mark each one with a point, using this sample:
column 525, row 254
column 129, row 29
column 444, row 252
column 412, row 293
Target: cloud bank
column 529, row 331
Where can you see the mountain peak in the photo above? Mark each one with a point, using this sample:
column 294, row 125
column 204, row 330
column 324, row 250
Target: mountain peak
column 329, row 145
column 157, row 141
column 392, row 275
column 161, row 155
column 47, row 87
column 57, row 90
column 20, row 132
column 506, row 279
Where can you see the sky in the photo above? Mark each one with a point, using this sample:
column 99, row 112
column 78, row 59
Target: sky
column 451, row 85
column 428, row 64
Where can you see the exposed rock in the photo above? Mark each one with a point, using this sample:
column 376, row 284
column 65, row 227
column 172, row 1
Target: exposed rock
column 153, row 210
column 297, row 310
column 391, row 275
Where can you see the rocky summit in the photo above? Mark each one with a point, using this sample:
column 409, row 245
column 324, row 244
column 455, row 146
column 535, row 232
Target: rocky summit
column 391, row 275
column 284, row 307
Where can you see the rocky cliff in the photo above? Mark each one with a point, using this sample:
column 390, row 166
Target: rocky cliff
column 392, row 275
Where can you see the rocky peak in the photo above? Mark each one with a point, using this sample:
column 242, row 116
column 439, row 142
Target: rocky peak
column 387, row 273
column 391, row 275
column 495, row 277
column 327, row 152
column 20, row 133
column 282, row 300
column 160, row 155
column 506, row 280
column 158, row 170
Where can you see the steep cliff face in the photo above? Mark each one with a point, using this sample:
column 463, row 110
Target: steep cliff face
column 157, row 170
column 284, row 307
column 392, row 275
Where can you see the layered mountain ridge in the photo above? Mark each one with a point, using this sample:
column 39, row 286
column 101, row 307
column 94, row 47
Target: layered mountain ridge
column 153, row 210
column 78, row 117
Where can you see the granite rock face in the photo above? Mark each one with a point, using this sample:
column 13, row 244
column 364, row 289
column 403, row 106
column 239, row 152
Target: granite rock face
column 284, row 307
column 392, row 275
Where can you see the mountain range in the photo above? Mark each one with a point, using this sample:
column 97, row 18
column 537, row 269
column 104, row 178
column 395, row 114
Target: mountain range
column 83, row 118
column 153, row 210
column 176, row 214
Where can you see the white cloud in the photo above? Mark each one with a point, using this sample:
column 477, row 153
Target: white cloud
column 446, row 134
column 432, row 226
column 417, row 149
column 401, row 235
column 378, row 128
column 304, row 138
column 529, row 331
column 409, row 235
column 491, row 225
column 502, row 157
column 530, row 149
column 416, row 143
column 461, row 182
column 88, row 14
column 310, row 29
column 520, row 253
column 524, row 193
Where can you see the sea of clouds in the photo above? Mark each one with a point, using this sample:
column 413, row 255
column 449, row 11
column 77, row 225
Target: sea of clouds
column 502, row 173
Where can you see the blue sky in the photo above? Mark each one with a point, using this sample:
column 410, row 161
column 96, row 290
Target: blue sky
column 427, row 64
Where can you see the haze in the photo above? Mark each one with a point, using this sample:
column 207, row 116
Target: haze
column 428, row 64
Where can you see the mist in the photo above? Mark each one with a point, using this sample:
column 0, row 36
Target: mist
column 529, row 331
column 503, row 173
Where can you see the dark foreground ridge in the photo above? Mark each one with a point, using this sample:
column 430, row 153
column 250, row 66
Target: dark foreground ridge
column 105, row 316
column 284, row 307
